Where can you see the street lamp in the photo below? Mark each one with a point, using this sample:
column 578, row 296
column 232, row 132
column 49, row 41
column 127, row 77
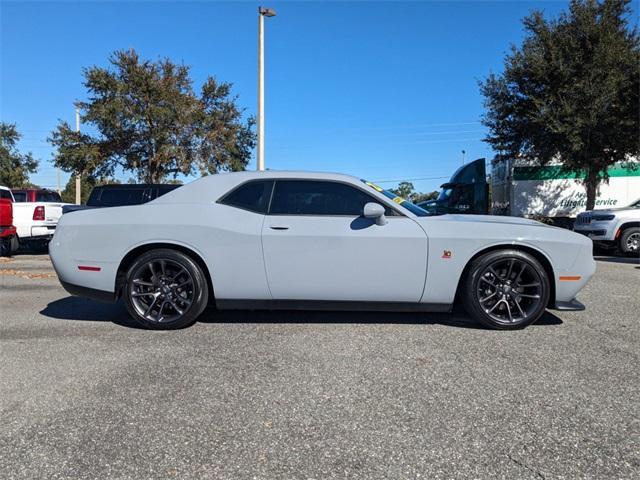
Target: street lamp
column 262, row 12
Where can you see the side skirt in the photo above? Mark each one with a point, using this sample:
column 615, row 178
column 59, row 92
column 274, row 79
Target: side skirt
column 236, row 304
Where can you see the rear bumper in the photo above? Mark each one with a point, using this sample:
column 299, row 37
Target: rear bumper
column 92, row 293
column 7, row 232
column 43, row 232
column 570, row 306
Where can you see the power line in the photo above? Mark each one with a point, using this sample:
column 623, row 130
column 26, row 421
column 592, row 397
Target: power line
column 413, row 179
column 419, row 125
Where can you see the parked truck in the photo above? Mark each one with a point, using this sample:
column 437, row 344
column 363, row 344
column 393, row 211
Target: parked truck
column 35, row 215
column 521, row 189
column 466, row 192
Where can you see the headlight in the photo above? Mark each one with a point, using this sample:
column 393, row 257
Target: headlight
column 600, row 218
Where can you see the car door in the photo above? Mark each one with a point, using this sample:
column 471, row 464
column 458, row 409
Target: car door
column 317, row 246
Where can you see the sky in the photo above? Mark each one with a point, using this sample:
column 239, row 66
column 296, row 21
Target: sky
column 386, row 91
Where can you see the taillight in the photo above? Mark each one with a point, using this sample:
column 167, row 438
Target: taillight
column 38, row 213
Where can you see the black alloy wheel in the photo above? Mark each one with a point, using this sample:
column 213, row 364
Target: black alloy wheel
column 506, row 289
column 165, row 289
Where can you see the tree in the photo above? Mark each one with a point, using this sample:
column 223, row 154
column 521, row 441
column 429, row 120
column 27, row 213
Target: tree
column 407, row 191
column 86, row 185
column 404, row 189
column 15, row 167
column 570, row 92
column 150, row 121
column 423, row 197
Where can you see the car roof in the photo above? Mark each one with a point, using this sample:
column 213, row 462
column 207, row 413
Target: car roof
column 212, row 187
column 139, row 185
column 279, row 174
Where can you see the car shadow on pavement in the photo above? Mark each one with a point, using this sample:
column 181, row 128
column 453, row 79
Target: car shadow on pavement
column 82, row 309
column 456, row 319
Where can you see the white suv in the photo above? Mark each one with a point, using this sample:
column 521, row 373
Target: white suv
column 615, row 227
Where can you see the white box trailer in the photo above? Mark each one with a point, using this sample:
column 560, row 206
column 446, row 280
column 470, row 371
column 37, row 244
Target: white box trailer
column 523, row 190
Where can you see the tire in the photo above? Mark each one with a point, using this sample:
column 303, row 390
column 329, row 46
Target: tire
column 38, row 246
column 5, row 247
column 165, row 290
column 506, row 290
column 630, row 241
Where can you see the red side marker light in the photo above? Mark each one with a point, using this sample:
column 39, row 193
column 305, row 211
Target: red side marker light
column 87, row 268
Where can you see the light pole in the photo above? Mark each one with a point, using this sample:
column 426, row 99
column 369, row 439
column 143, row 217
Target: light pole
column 463, row 154
column 78, row 184
column 262, row 12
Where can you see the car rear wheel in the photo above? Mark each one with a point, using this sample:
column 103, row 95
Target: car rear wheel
column 630, row 241
column 506, row 289
column 165, row 289
column 5, row 247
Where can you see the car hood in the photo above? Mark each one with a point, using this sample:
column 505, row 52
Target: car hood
column 485, row 219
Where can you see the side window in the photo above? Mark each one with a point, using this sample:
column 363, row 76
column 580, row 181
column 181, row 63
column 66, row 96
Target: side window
column 118, row 197
column 310, row 197
column 6, row 194
column 252, row 196
column 20, row 196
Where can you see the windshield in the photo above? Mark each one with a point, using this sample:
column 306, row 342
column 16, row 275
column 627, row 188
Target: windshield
column 399, row 200
column 635, row 204
column 47, row 196
column 445, row 195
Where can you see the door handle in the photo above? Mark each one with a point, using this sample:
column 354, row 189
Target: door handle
column 279, row 228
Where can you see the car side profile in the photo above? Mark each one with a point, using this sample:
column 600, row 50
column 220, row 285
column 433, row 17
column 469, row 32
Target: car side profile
column 283, row 240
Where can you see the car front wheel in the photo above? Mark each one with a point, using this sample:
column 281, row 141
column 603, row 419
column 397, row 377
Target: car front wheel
column 506, row 289
column 165, row 289
column 630, row 241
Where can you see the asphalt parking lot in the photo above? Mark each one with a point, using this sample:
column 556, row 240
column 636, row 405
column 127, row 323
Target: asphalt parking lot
column 83, row 394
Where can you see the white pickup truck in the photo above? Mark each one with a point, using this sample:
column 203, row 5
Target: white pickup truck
column 612, row 228
column 35, row 215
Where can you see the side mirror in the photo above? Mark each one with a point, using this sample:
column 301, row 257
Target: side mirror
column 375, row 211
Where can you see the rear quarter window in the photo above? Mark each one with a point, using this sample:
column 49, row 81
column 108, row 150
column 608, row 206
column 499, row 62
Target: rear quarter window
column 253, row 196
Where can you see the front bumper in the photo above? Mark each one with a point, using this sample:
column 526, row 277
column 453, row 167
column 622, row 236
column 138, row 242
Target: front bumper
column 597, row 230
column 598, row 234
column 570, row 306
